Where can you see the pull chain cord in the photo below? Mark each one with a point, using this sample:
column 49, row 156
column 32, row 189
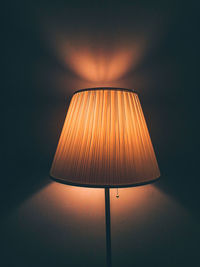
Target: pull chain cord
column 117, row 195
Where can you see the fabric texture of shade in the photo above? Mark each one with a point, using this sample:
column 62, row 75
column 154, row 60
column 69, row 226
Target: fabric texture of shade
column 105, row 141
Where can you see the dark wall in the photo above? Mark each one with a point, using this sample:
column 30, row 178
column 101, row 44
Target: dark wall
column 51, row 49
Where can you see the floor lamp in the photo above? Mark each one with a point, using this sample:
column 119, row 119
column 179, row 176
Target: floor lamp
column 105, row 143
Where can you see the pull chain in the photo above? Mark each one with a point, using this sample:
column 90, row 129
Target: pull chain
column 117, row 195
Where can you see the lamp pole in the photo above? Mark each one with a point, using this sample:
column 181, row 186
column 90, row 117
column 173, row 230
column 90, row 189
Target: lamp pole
column 108, row 228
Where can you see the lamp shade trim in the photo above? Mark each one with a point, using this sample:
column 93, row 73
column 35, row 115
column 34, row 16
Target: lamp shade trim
column 61, row 181
column 105, row 88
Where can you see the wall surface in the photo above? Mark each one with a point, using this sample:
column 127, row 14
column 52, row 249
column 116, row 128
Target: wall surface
column 53, row 48
column 64, row 226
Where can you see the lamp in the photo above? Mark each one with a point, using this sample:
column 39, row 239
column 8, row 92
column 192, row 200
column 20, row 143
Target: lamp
column 105, row 143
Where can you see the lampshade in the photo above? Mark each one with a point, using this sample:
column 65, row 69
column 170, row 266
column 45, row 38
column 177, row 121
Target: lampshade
column 105, row 141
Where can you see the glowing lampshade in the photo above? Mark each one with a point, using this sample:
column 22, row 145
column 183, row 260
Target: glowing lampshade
column 105, row 141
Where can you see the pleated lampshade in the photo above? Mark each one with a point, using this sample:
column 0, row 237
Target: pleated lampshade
column 105, row 141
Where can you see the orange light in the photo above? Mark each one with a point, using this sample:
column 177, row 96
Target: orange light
column 100, row 66
column 105, row 141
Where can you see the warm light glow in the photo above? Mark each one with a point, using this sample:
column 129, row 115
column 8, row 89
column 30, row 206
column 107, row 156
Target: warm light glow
column 93, row 50
column 105, row 141
column 101, row 66
column 77, row 197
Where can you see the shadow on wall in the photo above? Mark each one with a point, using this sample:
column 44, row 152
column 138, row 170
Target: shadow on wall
column 63, row 225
